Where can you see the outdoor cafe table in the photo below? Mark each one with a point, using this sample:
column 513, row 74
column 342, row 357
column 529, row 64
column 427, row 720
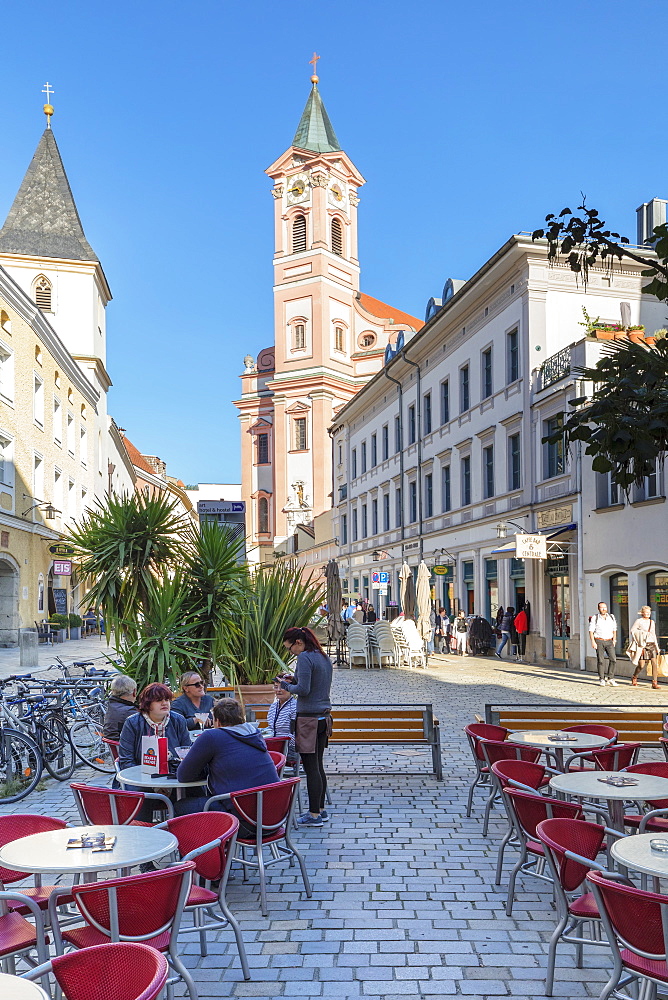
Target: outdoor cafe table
column 14, row 988
column 587, row 785
column 140, row 778
column 541, row 738
column 48, row 854
column 636, row 852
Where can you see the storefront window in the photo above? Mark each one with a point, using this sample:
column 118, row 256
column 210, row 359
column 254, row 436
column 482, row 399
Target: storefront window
column 517, row 575
column 560, row 601
column 619, row 607
column 469, row 588
column 657, row 598
column 492, row 582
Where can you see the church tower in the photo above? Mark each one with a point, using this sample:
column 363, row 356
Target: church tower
column 329, row 338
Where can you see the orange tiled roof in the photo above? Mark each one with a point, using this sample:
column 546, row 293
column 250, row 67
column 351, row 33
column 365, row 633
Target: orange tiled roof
column 136, row 456
column 383, row 311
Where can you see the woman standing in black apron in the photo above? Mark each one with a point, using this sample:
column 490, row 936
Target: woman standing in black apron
column 313, row 725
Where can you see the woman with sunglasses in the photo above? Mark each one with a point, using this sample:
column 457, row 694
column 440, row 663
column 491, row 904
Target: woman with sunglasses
column 313, row 725
column 193, row 704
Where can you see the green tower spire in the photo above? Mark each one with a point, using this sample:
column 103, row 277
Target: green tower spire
column 315, row 131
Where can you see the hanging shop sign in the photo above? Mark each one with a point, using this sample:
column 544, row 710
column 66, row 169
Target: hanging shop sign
column 530, row 546
column 62, row 567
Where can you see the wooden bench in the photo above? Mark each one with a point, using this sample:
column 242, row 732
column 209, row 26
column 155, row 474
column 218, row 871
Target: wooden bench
column 634, row 723
column 378, row 725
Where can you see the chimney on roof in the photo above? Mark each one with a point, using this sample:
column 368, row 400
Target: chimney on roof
column 158, row 467
column 649, row 215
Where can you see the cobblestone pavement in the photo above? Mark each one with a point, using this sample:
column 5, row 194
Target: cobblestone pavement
column 93, row 647
column 403, row 901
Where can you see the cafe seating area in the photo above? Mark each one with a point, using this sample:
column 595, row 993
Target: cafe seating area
column 136, row 890
column 589, row 822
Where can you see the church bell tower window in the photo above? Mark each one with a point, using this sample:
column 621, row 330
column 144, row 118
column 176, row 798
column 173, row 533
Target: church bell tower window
column 43, row 294
column 337, row 237
column 299, row 336
column 299, row 234
column 263, row 515
column 339, row 338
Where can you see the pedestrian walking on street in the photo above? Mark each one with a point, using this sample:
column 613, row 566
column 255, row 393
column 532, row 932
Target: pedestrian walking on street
column 521, row 627
column 441, row 631
column 313, row 725
column 461, row 630
column 507, row 624
column 643, row 646
column 603, row 635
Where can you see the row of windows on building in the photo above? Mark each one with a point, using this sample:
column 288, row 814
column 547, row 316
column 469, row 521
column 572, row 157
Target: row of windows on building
column 365, row 342
column 299, row 239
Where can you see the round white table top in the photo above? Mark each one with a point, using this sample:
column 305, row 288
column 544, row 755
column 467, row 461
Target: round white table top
column 14, row 988
column 588, row 783
column 541, row 738
column 142, row 779
column 48, row 852
column 635, row 852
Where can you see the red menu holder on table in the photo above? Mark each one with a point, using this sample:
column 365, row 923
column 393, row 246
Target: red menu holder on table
column 154, row 755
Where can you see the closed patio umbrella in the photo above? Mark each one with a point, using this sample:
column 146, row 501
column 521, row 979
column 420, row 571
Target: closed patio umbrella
column 407, row 591
column 334, row 601
column 424, row 601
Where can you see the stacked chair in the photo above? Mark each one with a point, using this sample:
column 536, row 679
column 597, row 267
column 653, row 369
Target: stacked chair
column 357, row 640
column 382, row 646
column 410, row 647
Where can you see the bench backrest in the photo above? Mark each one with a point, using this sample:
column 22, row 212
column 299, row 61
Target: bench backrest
column 637, row 724
column 370, row 723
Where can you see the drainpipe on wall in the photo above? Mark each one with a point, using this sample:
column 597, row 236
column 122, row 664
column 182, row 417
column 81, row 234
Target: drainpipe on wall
column 583, row 633
column 401, row 450
column 418, row 413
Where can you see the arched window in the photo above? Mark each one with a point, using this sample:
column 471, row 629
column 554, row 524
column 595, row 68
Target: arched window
column 299, row 233
column 299, row 336
column 263, row 515
column 43, row 294
column 339, row 341
column 337, row 237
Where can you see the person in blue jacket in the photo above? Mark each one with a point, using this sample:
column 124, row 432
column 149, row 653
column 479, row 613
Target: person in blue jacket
column 233, row 755
column 193, row 701
column 154, row 718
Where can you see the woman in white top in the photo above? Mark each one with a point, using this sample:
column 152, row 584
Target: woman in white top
column 643, row 645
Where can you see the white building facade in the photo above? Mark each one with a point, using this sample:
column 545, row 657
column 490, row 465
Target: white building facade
column 442, row 453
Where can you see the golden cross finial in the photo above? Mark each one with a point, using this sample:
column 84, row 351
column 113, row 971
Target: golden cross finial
column 314, row 62
column 48, row 107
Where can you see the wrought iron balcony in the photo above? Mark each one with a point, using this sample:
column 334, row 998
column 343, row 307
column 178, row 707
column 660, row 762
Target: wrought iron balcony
column 555, row 368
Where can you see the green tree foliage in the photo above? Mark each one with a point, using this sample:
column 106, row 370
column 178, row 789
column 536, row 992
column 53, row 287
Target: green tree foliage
column 275, row 599
column 625, row 421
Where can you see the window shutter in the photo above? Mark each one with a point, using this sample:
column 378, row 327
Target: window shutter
column 299, row 234
column 337, row 238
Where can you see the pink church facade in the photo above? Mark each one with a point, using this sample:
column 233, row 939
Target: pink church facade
column 329, row 338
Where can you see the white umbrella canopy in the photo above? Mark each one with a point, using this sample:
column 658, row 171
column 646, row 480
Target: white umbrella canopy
column 407, row 591
column 424, row 601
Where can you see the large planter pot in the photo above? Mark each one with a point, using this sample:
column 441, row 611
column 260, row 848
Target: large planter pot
column 75, row 633
column 637, row 338
column 650, row 341
column 621, row 335
column 255, row 694
column 60, row 635
column 605, row 334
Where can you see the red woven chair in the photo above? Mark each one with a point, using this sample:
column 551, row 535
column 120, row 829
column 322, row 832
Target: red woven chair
column 635, row 922
column 267, row 810
column 493, row 752
column 528, row 811
column 99, row 806
column 593, row 729
column 120, row 971
column 145, row 909
column 113, row 749
column 475, row 734
column 209, row 839
column 617, row 757
column 18, row 937
column 279, row 760
column 663, row 741
column 279, row 743
column 520, row 774
column 571, row 847
column 659, row 807
column 23, row 825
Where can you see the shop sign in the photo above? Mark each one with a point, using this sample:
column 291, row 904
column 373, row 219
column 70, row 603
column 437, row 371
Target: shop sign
column 411, row 546
column 442, row 570
column 555, row 517
column 557, row 566
column 60, row 549
column 530, row 546
column 62, row 567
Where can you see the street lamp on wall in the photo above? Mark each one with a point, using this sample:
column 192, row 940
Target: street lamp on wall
column 49, row 510
column 502, row 528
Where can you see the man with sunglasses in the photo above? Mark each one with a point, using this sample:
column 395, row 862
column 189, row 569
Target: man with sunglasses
column 193, row 704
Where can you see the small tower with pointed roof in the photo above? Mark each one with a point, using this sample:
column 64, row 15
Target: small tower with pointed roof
column 329, row 338
column 44, row 248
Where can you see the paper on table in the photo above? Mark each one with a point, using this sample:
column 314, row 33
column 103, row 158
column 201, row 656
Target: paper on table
column 619, row 782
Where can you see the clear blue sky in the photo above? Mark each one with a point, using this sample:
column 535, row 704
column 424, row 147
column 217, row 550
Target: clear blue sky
column 470, row 122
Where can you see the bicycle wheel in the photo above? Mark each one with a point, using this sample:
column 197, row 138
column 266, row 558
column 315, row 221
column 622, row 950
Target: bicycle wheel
column 56, row 746
column 20, row 765
column 86, row 739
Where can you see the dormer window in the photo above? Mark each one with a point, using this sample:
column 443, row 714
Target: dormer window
column 299, row 233
column 43, row 294
column 337, row 237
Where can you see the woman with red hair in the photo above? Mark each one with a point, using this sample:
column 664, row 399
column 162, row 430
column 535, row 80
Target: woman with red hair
column 154, row 718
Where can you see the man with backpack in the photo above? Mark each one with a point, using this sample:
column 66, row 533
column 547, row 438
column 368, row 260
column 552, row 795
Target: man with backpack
column 603, row 635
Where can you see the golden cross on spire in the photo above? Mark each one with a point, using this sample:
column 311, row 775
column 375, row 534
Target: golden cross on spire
column 48, row 107
column 314, row 62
